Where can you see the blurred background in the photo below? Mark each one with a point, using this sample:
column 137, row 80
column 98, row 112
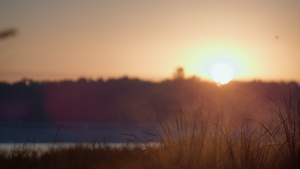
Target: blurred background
column 55, row 40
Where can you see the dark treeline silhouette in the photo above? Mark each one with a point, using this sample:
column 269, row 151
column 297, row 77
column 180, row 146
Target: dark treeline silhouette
column 132, row 100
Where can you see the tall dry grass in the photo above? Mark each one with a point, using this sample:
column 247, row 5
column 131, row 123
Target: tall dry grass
column 196, row 142
column 190, row 141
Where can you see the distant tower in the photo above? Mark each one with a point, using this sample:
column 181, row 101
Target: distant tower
column 179, row 74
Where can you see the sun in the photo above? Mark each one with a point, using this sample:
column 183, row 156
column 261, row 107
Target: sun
column 222, row 73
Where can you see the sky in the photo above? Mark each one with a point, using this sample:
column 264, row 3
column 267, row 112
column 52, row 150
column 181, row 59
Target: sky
column 149, row 39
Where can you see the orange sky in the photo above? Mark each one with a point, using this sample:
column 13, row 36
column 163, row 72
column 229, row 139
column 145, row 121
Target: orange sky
column 149, row 39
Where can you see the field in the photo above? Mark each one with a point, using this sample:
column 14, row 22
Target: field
column 189, row 141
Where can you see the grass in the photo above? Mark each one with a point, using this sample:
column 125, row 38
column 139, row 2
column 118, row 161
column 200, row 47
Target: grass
column 190, row 141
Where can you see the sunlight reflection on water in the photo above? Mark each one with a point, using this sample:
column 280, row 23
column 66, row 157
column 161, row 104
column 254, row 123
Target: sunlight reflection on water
column 43, row 147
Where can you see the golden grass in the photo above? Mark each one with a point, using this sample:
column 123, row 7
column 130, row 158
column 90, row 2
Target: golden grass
column 188, row 142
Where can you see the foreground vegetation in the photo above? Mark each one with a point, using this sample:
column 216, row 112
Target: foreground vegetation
column 190, row 141
column 186, row 142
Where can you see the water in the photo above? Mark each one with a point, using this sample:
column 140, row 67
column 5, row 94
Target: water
column 71, row 132
column 43, row 147
column 33, row 146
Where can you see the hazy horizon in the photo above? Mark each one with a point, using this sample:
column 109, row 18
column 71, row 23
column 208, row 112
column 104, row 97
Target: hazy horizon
column 74, row 78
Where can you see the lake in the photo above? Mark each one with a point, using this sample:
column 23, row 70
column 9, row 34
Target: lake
column 72, row 132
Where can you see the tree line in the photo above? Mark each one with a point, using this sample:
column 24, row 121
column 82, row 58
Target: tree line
column 130, row 100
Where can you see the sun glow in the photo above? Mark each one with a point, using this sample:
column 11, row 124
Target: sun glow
column 222, row 73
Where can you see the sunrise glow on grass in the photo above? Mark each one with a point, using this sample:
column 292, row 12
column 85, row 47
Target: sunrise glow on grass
column 150, row 84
